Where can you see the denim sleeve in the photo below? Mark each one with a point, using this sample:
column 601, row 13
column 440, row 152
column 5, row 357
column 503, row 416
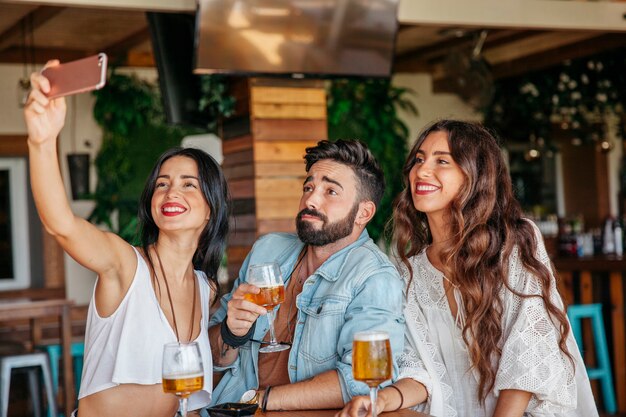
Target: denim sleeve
column 220, row 313
column 376, row 305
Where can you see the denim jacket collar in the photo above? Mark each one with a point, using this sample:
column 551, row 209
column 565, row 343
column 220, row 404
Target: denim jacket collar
column 331, row 269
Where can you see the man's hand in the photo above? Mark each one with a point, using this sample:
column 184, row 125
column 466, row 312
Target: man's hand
column 242, row 313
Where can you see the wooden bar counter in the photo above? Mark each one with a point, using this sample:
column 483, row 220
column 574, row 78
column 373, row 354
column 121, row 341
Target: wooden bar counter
column 589, row 269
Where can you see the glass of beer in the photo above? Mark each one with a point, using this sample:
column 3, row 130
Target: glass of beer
column 371, row 361
column 270, row 281
column 182, row 371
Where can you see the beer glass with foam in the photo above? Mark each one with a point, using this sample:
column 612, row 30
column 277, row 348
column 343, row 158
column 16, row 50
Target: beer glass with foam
column 270, row 281
column 371, row 361
column 183, row 373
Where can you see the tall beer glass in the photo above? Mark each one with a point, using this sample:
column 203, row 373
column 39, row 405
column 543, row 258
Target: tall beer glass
column 269, row 279
column 371, row 361
column 182, row 371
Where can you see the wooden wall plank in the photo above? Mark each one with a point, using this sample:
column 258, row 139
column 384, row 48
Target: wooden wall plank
column 276, row 225
column 281, row 169
column 287, row 83
column 237, row 144
column 13, row 145
column 240, row 89
column 618, row 331
column 237, row 254
column 233, row 274
column 278, row 187
column 54, row 262
column 243, row 222
column 241, row 188
column 235, row 127
column 242, row 237
column 276, row 208
column 279, row 151
column 243, row 206
column 288, row 111
column 238, row 158
column 238, row 172
column 287, row 95
column 289, row 129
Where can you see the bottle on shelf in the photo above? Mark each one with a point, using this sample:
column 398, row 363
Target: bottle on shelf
column 608, row 237
column 618, row 234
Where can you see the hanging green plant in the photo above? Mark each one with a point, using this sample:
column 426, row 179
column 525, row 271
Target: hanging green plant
column 366, row 109
column 215, row 102
column 127, row 103
column 583, row 96
column 131, row 116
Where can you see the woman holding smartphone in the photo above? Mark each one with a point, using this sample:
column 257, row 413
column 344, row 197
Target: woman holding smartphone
column 144, row 296
column 486, row 330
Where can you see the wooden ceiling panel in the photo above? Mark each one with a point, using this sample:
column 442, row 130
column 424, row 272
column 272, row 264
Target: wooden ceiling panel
column 12, row 13
column 534, row 44
column 413, row 37
column 89, row 29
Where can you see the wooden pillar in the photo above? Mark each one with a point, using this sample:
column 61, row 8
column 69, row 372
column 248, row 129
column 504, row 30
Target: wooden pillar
column 263, row 157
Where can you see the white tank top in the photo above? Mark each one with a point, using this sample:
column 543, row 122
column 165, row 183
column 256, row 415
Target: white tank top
column 127, row 346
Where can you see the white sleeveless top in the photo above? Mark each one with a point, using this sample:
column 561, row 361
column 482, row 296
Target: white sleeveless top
column 127, row 346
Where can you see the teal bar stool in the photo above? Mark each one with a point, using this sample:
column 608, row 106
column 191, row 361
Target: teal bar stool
column 77, row 351
column 576, row 313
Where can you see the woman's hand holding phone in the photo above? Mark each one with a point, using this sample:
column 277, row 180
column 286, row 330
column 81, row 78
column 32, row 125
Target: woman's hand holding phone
column 44, row 117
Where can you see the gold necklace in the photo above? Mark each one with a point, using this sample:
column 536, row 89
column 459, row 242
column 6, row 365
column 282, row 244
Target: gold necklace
column 169, row 296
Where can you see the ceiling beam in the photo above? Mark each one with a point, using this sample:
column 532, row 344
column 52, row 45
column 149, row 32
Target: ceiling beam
column 427, row 57
column 522, row 14
column 549, row 58
column 13, row 35
column 541, row 60
column 151, row 5
column 15, row 55
column 536, row 44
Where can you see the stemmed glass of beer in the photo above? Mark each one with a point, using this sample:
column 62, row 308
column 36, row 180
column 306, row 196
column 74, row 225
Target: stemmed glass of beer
column 182, row 371
column 371, row 361
column 268, row 278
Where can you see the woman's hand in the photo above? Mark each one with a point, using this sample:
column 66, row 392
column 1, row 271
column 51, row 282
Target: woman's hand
column 243, row 313
column 44, row 118
column 360, row 406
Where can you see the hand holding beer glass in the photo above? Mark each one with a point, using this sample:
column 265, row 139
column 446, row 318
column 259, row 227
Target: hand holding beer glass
column 183, row 372
column 371, row 361
column 272, row 292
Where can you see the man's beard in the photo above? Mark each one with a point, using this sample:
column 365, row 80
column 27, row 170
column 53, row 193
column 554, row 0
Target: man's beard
column 329, row 232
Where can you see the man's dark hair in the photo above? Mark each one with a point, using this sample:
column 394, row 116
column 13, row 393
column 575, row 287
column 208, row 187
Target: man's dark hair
column 356, row 155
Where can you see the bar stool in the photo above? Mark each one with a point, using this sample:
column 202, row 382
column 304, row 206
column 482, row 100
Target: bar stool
column 576, row 313
column 77, row 350
column 27, row 361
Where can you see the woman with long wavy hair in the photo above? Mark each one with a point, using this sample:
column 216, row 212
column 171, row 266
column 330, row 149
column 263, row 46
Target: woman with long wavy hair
column 486, row 330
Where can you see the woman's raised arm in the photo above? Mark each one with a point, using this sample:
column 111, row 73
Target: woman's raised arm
column 105, row 253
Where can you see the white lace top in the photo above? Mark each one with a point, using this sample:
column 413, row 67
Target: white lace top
column 531, row 360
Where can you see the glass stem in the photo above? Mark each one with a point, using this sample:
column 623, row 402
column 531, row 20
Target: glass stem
column 373, row 392
column 270, row 321
column 183, row 406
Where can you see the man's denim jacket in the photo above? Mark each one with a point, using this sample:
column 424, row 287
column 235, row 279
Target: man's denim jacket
column 356, row 289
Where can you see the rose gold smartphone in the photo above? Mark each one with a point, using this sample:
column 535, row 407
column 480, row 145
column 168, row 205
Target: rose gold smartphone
column 78, row 76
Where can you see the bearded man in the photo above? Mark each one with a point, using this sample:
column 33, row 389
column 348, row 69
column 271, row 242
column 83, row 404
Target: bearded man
column 337, row 282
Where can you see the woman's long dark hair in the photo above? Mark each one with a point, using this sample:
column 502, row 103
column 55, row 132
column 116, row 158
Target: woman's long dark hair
column 486, row 224
column 212, row 241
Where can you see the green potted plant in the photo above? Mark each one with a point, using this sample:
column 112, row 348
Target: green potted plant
column 366, row 109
